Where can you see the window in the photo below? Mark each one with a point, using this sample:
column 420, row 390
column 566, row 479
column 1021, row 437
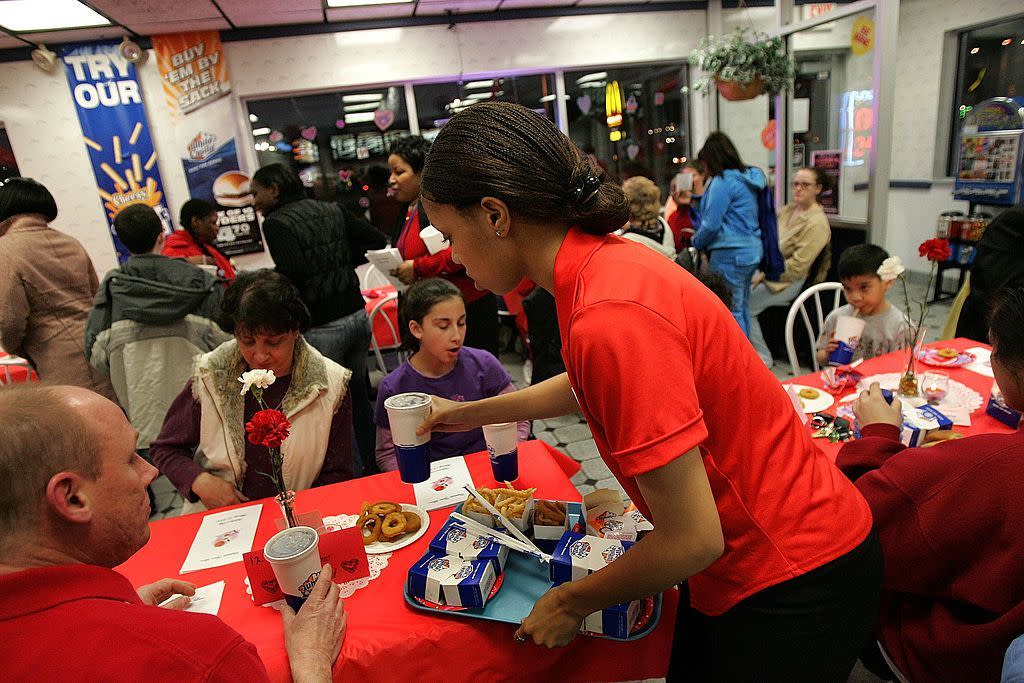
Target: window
column 437, row 102
column 634, row 120
column 990, row 63
column 334, row 141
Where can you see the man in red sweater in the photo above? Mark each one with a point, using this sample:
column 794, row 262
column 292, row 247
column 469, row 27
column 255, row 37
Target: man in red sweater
column 950, row 519
column 73, row 504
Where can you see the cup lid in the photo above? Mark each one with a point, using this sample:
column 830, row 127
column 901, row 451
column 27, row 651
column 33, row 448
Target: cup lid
column 407, row 401
column 290, row 543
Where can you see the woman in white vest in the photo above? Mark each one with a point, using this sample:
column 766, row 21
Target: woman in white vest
column 202, row 446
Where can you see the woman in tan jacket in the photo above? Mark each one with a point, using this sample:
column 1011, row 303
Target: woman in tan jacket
column 47, row 285
column 804, row 233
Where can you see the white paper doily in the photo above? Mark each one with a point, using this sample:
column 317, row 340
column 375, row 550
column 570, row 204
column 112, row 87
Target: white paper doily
column 960, row 396
column 376, row 563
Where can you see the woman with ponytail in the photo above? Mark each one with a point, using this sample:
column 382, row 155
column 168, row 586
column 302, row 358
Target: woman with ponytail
column 774, row 544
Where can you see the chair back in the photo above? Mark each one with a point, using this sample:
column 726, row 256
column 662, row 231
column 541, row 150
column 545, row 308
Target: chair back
column 817, row 292
column 370, row 277
column 378, row 311
column 949, row 329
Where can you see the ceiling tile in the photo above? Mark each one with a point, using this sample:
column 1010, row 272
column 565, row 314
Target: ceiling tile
column 583, row 3
column 276, row 18
column 181, row 26
column 519, row 4
column 462, row 6
column 370, row 12
column 132, row 12
column 76, row 35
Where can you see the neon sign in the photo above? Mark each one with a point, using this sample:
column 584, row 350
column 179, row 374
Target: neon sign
column 856, row 117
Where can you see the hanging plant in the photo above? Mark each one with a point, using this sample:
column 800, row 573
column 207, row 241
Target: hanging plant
column 743, row 65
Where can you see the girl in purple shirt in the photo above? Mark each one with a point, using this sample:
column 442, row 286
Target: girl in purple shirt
column 433, row 322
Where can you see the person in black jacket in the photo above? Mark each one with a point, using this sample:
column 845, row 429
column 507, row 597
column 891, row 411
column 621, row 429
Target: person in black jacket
column 317, row 245
column 997, row 265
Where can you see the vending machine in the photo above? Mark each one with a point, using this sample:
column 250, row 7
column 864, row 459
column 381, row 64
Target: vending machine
column 989, row 167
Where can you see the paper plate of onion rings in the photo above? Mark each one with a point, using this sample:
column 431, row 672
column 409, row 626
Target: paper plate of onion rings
column 388, row 526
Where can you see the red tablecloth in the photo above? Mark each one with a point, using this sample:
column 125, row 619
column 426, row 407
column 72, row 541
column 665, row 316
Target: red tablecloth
column 15, row 370
column 381, row 331
column 388, row 640
column 981, row 422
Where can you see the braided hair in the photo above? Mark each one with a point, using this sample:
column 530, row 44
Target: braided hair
column 503, row 150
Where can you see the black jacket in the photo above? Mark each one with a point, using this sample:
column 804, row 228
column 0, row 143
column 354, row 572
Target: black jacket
column 997, row 264
column 317, row 245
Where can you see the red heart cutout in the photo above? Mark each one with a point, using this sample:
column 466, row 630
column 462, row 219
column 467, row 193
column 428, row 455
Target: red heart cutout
column 270, row 585
column 350, row 565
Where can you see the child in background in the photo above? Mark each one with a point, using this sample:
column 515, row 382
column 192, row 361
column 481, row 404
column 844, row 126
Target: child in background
column 432, row 318
column 886, row 326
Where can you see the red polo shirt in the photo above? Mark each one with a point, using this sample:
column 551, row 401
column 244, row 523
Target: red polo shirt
column 86, row 623
column 660, row 366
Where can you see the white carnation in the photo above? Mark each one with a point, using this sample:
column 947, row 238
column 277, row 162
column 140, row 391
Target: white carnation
column 261, row 379
column 891, row 269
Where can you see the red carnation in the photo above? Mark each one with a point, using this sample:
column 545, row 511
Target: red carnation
column 935, row 249
column 268, row 428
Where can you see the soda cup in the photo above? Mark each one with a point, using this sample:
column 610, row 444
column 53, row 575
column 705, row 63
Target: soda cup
column 502, row 448
column 405, row 413
column 848, row 331
column 294, row 555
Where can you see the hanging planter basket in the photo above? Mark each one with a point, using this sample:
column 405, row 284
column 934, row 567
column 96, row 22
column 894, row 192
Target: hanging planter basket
column 735, row 92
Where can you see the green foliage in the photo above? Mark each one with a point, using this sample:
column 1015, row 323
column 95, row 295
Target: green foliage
column 737, row 57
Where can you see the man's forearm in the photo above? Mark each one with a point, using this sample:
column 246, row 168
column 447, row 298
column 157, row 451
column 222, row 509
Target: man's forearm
column 550, row 398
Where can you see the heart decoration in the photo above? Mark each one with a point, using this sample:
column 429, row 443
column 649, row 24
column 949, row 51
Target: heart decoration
column 344, row 175
column 276, row 136
column 309, row 133
column 350, row 565
column 270, row 585
column 584, row 103
column 383, row 118
column 632, row 151
column 340, row 123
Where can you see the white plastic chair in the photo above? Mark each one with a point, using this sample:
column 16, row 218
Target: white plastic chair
column 370, row 277
column 378, row 310
column 798, row 308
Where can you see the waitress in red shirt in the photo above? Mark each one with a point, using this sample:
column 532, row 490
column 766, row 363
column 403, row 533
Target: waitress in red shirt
column 774, row 544
column 406, row 164
column 194, row 242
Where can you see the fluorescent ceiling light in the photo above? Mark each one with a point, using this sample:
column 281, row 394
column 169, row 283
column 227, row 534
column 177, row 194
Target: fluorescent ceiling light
column 369, row 106
column 594, row 84
column 599, row 76
column 474, row 85
column 260, row 131
column 361, row 117
column 46, row 15
column 362, row 97
column 551, row 98
column 360, row 3
column 253, row 118
column 474, row 96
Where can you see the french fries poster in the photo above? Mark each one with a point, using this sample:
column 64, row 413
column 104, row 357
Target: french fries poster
column 105, row 88
column 192, row 69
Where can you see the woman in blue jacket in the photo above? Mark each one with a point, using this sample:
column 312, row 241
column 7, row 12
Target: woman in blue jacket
column 729, row 230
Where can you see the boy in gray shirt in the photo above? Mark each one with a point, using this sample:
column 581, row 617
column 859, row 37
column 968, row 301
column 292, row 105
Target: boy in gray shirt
column 886, row 327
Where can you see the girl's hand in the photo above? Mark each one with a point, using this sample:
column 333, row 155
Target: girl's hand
column 552, row 622
column 444, row 417
column 405, row 272
column 872, row 408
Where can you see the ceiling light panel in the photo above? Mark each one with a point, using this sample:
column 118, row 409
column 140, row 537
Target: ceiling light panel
column 47, row 15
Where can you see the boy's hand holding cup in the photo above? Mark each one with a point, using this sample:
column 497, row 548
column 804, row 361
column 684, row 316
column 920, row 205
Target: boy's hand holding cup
column 847, row 337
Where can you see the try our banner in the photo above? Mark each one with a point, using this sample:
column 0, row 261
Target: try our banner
column 195, row 74
column 108, row 99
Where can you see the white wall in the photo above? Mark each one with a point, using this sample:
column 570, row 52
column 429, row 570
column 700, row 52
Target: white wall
column 41, row 120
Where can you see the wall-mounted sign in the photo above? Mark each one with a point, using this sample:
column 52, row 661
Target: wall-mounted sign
column 862, row 36
column 613, row 104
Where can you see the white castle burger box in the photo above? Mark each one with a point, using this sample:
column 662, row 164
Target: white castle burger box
column 455, row 539
column 608, row 516
column 577, row 556
column 451, row 580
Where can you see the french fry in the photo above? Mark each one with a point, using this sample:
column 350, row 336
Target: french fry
column 150, row 161
column 92, row 143
column 103, row 193
column 137, row 167
column 118, row 180
column 135, row 133
column 131, row 180
column 117, row 149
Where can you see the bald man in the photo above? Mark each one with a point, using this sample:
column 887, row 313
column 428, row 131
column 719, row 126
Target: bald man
column 73, row 505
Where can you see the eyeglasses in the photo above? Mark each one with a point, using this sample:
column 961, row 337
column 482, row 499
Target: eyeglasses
column 804, row 186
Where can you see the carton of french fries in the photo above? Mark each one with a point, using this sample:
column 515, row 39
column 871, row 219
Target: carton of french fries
column 455, row 539
column 550, row 518
column 451, row 580
column 577, row 556
column 608, row 516
column 516, row 505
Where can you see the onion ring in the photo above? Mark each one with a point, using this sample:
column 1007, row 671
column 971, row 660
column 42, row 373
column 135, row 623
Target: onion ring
column 412, row 521
column 385, row 508
column 393, row 525
column 372, row 524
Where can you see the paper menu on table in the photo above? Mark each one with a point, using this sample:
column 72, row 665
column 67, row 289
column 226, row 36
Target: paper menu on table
column 444, row 487
column 386, row 260
column 205, row 601
column 222, row 538
column 982, row 363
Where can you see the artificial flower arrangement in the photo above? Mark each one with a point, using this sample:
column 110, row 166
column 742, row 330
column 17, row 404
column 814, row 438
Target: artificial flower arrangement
column 269, row 427
column 743, row 67
column 935, row 250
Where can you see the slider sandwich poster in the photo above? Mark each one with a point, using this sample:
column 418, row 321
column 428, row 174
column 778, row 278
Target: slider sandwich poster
column 105, row 88
column 195, row 81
